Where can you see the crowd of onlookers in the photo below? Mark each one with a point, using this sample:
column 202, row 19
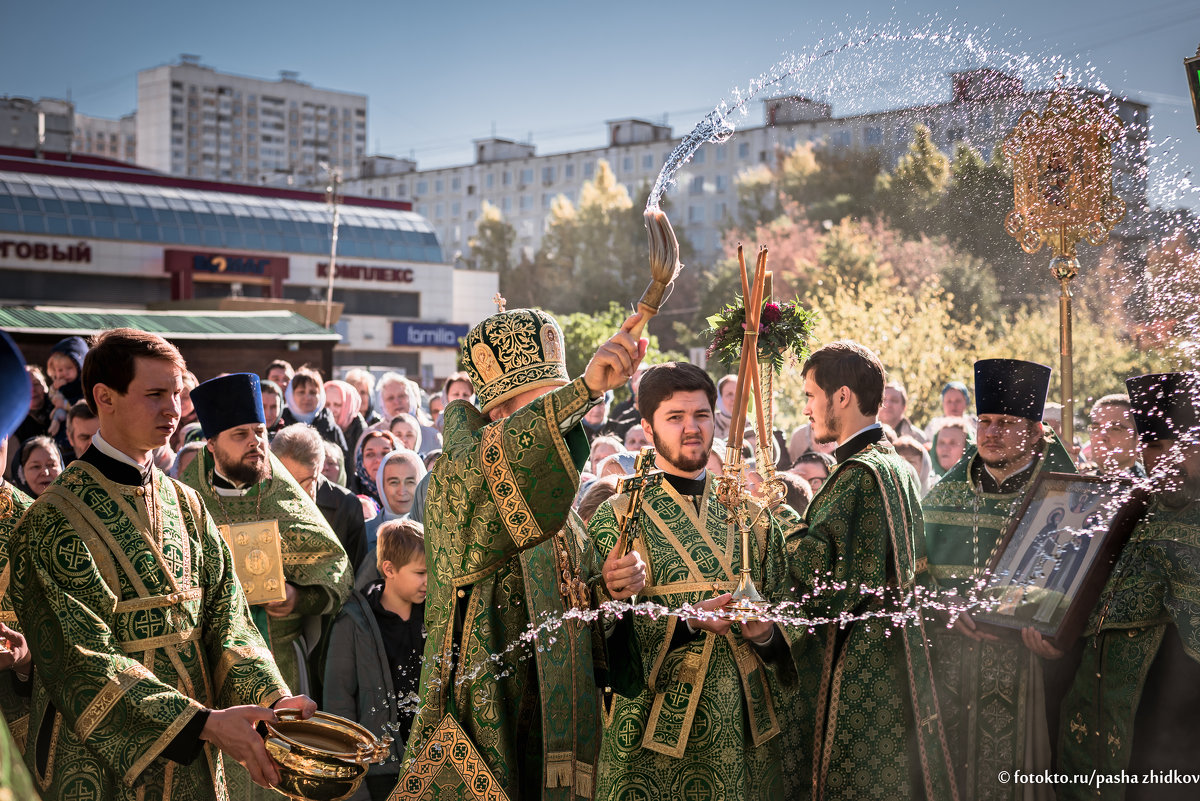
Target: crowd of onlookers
column 376, row 436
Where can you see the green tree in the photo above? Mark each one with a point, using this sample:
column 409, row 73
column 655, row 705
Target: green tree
column 915, row 186
column 492, row 244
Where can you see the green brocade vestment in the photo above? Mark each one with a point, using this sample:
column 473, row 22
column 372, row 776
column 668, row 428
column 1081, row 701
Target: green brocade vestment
column 1152, row 594
column 498, row 538
column 312, row 555
column 698, row 721
column 313, row 560
column 873, row 726
column 992, row 693
column 136, row 622
column 13, row 504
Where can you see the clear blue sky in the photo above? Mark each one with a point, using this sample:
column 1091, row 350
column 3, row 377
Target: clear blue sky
column 439, row 74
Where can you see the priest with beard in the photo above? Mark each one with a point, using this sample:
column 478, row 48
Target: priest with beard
column 993, row 693
column 697, row 716
column 241, row 482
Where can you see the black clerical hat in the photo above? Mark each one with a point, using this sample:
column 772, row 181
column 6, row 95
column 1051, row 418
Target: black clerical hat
column 228, row 401
column 1165, row 405
column 1011, row 386
column 14, row 387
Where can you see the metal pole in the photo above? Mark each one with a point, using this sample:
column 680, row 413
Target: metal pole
column 335, row 180
column 1064, row 338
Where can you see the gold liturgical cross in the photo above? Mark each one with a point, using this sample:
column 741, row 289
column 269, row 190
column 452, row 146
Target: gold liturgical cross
column 500, row 302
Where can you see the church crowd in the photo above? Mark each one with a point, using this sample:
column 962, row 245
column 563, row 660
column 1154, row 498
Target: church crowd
column 466, row 569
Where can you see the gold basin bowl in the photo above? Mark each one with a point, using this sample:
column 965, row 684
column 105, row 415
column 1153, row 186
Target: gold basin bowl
column 323, row 758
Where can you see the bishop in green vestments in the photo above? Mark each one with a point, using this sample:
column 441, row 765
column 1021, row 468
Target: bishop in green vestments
column 697, row 714
column 504, row 551
column 868, row 720
column 1135, row 702
column 992, row 692
column 145, row 661
column 241, row 481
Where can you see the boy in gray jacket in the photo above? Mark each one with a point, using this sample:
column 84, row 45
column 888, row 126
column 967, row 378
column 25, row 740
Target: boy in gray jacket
column 374, row 665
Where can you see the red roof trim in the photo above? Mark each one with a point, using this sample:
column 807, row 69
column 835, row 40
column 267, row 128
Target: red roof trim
column 100, row 169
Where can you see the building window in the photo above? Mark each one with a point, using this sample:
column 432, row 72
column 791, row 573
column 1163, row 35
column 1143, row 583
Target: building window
column 547, row 199
column 455, row 209
column 422, row 188
column 841, row 139
column 698, row 158
column 455, row 184
column 507, row 179
column 383, row 191
column 489, row 180
column 722, row 152
column 627, row 164
column 527, row 176
column 873, row 135
column 548, row 175
column 568, row 171
column 648, row 161
column 401, row 189
column 439, row 210
column 695, row 214
column 696, row 187
column 589, row 169
column 743, row 150
column 439, row 186
column 506, row 204
column 526, row 202
column 722, row 182
column 720, row 212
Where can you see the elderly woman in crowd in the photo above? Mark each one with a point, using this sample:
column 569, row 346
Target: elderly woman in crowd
column 342, row 400
column 305, row 401
column 39, row 464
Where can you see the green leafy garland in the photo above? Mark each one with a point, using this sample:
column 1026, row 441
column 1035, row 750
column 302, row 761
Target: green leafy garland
column 783, row 327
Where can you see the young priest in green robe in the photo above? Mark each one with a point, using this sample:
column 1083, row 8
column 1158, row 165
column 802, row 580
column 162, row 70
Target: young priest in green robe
column 868, row 721
column 146, row 667
column 699, row 719
column 505, row 551
column 241, row 482
column 992, row 692
column 1135, row 701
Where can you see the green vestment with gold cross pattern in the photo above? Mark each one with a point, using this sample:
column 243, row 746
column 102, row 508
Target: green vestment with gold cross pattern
column 313, row 560
column 867, row 723
column 1150, row 607
column 992, row 693
column 136, row 622
column 15, row 706
column 701, row 721
column 506, row 552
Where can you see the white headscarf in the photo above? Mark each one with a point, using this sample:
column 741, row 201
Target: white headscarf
column 400, row 453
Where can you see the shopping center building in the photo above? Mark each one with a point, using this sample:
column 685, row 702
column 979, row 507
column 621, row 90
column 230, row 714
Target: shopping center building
column 100, row 234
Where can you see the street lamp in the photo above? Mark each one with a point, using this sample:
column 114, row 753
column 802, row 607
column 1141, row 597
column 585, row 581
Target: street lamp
column 333, row 198
column 1062, row 193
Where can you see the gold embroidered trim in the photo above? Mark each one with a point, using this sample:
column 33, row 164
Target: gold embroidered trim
column 163, row 740
column 560, row 769
column 693, row 670
column 514, row 511
column 8, row 617
column 687, row 586
column 159, row 601
column 174, row 638
column 305, row 558
column 19, row 729
column 751, row 669
column 448, row 747
column 46, row 778
column 104, row 701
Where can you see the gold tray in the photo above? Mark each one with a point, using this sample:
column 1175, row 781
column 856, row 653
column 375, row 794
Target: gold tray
column 323, row 758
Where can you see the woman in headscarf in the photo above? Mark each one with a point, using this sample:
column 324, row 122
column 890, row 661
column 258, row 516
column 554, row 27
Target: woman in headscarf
column 305, row 401
column 915, row 454
column 373, row 445
column 950, row 441
column 334, row 466
column 408, row 431
column 342, row 400
column 396, row 395
column 396, row 482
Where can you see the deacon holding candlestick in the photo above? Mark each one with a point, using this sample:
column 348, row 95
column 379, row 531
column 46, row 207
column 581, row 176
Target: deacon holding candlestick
column 698, row 714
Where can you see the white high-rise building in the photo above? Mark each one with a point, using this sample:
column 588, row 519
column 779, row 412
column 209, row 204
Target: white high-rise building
column 44, row 125
column 984, row 106
column 101, row 136
column 194, row 121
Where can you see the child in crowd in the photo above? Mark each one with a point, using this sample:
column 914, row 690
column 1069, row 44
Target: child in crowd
column 374, row 665
column 63, row 368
